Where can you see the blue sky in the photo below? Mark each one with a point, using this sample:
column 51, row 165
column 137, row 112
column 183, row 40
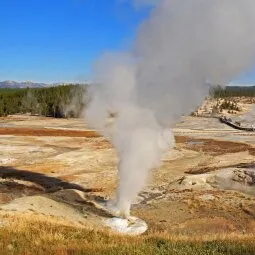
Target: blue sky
column 248, row 78
column 58, row 40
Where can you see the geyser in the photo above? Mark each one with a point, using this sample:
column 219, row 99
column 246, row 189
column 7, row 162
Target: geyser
column 178, row 49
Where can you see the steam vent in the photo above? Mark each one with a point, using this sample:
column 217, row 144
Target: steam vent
column 150, row 149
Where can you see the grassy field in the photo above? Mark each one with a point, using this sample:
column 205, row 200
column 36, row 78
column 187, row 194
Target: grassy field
column 31, row 235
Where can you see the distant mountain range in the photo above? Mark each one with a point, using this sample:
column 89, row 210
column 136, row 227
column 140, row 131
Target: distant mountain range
column 30, row 84
column 27, row 84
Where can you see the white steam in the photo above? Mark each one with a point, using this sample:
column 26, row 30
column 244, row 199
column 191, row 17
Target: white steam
column 178, row 49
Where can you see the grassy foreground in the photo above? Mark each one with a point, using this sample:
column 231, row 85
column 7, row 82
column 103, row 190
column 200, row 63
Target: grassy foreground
column 30, row 235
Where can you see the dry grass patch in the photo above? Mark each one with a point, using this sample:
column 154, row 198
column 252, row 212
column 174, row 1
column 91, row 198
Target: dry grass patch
column 29, row 234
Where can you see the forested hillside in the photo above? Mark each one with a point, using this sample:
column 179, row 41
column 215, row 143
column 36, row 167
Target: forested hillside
column 67, row 100
column 59, row 101
column 232, row 91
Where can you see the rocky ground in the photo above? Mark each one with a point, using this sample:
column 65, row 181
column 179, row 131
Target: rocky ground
column 60, row 169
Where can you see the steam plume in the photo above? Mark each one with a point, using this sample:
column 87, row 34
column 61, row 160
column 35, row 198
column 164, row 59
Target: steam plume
column 178, row 49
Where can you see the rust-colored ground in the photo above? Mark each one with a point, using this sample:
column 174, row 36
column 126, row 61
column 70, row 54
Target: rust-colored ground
column 210, row 146
column 47, row 132
column 213, row 147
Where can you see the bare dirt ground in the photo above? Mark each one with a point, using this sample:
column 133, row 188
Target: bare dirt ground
column 59, row 168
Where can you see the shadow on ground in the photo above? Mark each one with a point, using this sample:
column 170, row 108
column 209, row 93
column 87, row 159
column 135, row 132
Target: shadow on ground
column 11, row 189
column 47, row 182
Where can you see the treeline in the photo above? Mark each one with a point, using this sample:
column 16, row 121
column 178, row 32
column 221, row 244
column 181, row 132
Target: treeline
column 68, row 100
column 59, row 102
column 232, row 91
